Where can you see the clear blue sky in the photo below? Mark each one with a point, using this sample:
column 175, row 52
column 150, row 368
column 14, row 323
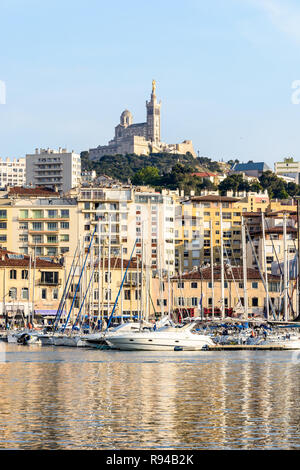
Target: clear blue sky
column 224, row 72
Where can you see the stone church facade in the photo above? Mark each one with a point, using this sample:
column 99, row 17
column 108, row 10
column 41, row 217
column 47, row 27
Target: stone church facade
column 141, row 138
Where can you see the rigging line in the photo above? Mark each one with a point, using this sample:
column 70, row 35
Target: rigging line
column 235, row 285
column 281, row 272
column 121, row 286
column 78, row 284
column 83, row 301
column 261, row 275
column 66, row 291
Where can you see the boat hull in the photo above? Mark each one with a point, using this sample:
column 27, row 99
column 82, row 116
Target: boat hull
column 159, row 342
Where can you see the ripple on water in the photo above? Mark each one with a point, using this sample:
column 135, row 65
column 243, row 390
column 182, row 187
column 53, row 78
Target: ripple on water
column 56, row 398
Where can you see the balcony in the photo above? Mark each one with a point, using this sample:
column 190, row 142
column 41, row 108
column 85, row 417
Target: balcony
column 48, row 283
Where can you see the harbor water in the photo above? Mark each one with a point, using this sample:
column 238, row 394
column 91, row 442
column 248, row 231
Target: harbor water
column 63, row 398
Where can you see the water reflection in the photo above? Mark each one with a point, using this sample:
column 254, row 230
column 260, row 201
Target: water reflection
column 64, row 398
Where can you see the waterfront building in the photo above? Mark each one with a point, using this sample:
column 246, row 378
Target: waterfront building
column 201, row 229
column 141, row 138
column 27, row 284
column 198, row 220
column 126, row 215
column 56, row 169
column 12, row 172
column 101, row 283
column 39, row 222
column 270, row 250
column 194, row 289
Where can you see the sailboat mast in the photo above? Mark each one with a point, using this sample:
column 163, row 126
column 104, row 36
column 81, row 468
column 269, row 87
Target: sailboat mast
column 265, row 268
column 285, row 282
column 222, row 266
column 108, row 266
column 99, row 265
column 29, row 286
column 212, row 271
column 244, row 269
column 122, row 274
column 142, row 274
column 33, row 285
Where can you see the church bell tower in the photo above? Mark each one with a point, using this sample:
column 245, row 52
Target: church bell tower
column 153, row 116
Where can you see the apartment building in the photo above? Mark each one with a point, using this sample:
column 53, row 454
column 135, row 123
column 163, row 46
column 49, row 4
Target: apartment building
column 28, row 285
column 204, row 219
column 99, row 293
column 193, row 292
column 124, row 215
column 288, row 168
column 38, row 222
column 198, row 220
column 12, row 172
column 270, row 249
column 56, row 169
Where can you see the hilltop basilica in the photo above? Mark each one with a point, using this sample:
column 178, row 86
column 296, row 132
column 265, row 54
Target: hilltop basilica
column 141, row 138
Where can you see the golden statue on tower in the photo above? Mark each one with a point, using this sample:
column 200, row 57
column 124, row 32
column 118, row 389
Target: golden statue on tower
column 153, row 87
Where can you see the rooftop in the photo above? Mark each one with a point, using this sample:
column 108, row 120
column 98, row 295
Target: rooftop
column 11, row 259
column 231, row 273
column 39, row 191
column 251, row 166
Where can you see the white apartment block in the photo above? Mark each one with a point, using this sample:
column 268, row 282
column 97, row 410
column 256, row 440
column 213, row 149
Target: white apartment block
column 12, row 172
column 288, row 168
column 53, row 169
column 126, row 215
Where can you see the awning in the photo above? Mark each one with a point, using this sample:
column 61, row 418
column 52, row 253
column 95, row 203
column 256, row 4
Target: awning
column 48, row 312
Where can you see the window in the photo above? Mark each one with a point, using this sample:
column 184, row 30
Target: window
column 13, row 293
column 37, row 214
column 24, row 274
column 180, row 285
column 23, row 214
column 52, row 214
column 64, row 213
column 254, row 302
column 194, row 285
column 55, row 294
column 64, row 238
column 36, row 226
column 65, row 225
column 13, row 274
column 52, row 226
column 3, row 238
column 24, row 293
column 49, row 277
column 52, row 239
column 3, row 214
column 254, row 285
column 2, row 225
column 127, row 294
column 44, row 294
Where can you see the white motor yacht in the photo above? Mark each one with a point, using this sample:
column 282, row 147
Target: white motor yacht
column 167, row 338
column 99, row 339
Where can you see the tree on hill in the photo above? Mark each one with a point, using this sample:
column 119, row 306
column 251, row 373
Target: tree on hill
column 147, row 176
column 123, row 167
